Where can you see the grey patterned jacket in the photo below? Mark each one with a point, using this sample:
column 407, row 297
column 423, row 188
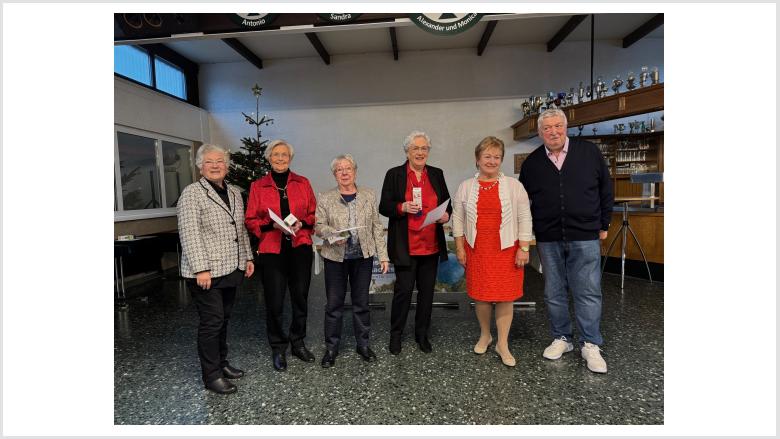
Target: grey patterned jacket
column 332, row 214
column 213, row 236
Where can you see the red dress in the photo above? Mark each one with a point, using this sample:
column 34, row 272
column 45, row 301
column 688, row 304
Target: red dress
column 491, row 274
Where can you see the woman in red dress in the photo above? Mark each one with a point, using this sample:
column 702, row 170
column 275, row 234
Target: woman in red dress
column 492, row 230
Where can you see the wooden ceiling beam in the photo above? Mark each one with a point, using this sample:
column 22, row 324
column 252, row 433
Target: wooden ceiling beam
column 315, row 41
column 244, row 51
column 564, row 32
column 394, row 41
column 486, row 36
column 642, row 31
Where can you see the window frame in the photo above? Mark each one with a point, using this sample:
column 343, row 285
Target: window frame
column 128, row 215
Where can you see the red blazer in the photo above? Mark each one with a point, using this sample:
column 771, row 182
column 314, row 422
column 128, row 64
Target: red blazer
column 263, row 194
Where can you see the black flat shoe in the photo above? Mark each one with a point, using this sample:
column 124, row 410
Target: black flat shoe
column 395, row 345
column 280, row 362
column 303, row 353
column 232, row 372
column 425, row 345
column 329, row 360
column 221, row 386
column 366, row 353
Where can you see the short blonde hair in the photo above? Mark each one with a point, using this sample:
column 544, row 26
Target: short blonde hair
column 274, row 143
column 341, row 158
column 489, row 142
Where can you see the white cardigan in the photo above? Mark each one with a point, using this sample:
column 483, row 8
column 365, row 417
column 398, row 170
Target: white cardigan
column 515, row 211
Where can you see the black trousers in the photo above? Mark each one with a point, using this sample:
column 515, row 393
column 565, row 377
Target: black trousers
column 421, row 271
column 214, row 308
column 358, row 273
column 291, row 268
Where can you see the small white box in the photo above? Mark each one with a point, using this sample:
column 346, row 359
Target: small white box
column 290, row 220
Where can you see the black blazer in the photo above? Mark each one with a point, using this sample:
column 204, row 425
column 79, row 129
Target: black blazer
column 394, row 192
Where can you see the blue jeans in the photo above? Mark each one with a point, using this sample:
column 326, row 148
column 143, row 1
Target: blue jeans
column 575, row 266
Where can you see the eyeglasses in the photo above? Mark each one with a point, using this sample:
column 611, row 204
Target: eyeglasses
column 343, row 170
column 214, row 162
column 420, row 149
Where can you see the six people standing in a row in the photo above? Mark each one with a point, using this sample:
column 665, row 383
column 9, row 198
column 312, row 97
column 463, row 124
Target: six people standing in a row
column 564, row 195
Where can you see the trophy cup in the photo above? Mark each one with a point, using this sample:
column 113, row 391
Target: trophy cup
column 560, row 100
column 643, row 76
column 579, row 128
column 580, row 94
column 594, row 129
column 654, row 76
column 621, row 127
column 601, row 87
column 642, row 128
column 616, row 83
column 550, row 100
column 652, row 124
column 589, row 94
column 615, row 129
column 570, row 97
column 631, row 81
column 526, row 108
column 632, row 126
column 538, row 104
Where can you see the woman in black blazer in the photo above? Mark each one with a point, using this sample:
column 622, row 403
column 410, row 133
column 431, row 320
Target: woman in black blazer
column 409, row 192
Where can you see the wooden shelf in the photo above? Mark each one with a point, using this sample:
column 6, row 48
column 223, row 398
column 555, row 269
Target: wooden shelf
column 641, row 100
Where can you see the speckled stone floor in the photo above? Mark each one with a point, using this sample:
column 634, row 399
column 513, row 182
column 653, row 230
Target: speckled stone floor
column 157, row 376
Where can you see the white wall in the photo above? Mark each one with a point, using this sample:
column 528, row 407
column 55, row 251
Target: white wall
column 366, row 104
column 138, row 107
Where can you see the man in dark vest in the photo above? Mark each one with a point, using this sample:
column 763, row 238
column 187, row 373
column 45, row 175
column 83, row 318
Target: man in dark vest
column 571, row 196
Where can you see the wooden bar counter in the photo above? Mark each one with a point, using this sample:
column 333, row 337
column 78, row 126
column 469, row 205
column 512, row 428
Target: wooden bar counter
column 647, row 224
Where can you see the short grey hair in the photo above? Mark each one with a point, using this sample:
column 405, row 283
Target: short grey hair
column 413, row 135
column 340, row 158
column 210, row 147
column 274, row 143
column 552, row 112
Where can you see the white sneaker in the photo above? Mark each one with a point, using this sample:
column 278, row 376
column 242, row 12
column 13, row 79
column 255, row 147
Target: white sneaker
column 592, row 354
column 558, row 347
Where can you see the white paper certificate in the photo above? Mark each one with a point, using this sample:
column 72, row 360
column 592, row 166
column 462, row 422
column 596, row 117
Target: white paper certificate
column 280, row 221
column 435, row 214
column 338, row 235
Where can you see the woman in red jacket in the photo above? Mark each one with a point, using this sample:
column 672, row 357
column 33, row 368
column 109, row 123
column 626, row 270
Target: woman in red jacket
column 285, row 257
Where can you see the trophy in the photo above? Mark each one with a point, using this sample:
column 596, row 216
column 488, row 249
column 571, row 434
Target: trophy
column 579, row 128
column 616, row 83
column 654, row 76
column 560, row 100
column 615, row 129
column 643, row 76
column 570, row 97
column 538, row 104
column 652, row 124
column 580, row 94
column 550, row 100
column 621, row 127
column 601, row 88
column 633, row 125
column 526, row 108
column 631, row 81
column 642, row 128
column 594, row 129
column 588, row 94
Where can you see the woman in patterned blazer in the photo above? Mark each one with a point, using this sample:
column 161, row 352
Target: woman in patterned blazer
column 216, row 256
column 349, row 255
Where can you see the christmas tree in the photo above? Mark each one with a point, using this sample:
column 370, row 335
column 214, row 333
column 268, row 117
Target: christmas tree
column 250, row 163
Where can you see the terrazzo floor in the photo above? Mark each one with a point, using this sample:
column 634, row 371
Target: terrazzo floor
column 157, row 376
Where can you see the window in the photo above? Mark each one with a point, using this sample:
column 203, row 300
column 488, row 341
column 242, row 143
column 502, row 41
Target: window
column 169, row 78
column 151, row 171
column 134, row 63
column 157, row 67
